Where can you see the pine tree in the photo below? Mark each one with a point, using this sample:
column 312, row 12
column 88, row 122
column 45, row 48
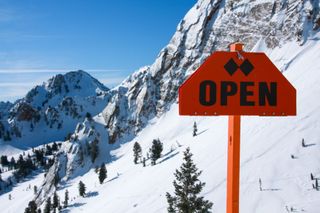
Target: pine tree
column 171, row 203
column 55, row 201
column 102, row 173
column 54, row 147
column 94, row 150
column 155, row 151
column 47, row 207
column 88, row 116
column 27, row 210
column 32, row 207
column 35, row 189
column 66, row 199
column 82, row 189
column 48, row 150
column 137, row 151
column 12, row 163
column 144, row 162
column 187, row 189
column 195, row 129
column 56, row 179
column 4, row 160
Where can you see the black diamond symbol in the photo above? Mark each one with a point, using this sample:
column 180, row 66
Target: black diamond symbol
column 246, row 67
column 231, row 67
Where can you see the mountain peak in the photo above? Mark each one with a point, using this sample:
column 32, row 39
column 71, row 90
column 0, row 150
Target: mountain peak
column 73, row 81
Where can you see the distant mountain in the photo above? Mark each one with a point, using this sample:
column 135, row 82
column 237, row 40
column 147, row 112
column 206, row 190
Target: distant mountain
column 51, row 111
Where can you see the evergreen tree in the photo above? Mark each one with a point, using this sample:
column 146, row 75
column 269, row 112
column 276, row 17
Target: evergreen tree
column 20, row 162
column 82, row 189
column 187, row 189
column 102, row 173
column 35, row 189
column 89, row 117
column 32, row 206
column 171, row 203
column 137, row 151
column 47, row 207
column 39, row 156
column 4, row 160
column 66, row 199
column 195, row 129
column 55, row 201
column 48, row 150
column 56, row 179
column 27, row 210
column 144, row 162
column 94, row 150
column 12, row 163
column 54, row 147
column 155, row 151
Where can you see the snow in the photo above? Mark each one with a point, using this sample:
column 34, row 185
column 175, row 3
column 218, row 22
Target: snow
column 21, row 195
column 267, row 146
column 267, row 143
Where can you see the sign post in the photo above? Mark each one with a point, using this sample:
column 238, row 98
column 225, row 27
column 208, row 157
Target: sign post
column 236, row 83
column 233, row 175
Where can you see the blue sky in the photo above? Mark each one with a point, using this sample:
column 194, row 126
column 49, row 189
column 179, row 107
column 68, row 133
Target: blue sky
column 108, row 38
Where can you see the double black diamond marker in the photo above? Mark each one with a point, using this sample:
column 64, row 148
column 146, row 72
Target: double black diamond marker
column 231, row 67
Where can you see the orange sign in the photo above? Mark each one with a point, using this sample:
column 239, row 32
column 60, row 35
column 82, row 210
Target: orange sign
column 237, row 83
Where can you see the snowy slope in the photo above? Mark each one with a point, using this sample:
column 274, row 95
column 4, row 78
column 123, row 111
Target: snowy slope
column 267, row 146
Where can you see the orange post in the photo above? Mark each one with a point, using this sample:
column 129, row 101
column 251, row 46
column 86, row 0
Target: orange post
column 233, row 176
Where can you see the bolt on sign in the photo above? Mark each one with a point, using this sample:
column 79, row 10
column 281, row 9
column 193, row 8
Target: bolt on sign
column 236, row 83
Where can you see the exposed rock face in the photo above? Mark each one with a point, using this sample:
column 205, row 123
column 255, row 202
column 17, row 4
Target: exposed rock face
column 210, row 25
column 25, row 112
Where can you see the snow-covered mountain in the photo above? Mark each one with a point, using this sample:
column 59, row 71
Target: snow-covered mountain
column 51, row 111
column 210, row 25
column 144, row 107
